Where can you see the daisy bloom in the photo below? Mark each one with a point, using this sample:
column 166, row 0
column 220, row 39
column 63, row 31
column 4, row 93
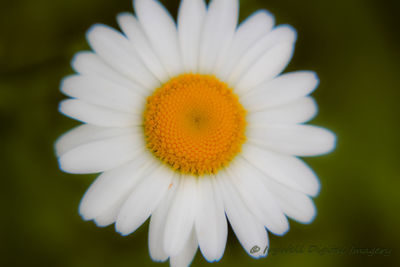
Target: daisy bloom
column 192, row 125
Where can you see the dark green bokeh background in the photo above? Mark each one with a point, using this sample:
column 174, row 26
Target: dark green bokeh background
column 352, row 44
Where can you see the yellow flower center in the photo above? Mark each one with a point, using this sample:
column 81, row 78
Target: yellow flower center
column 195, row 124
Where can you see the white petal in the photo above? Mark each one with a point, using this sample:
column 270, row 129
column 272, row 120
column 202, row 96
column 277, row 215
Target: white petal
column 287, row 170
column 248, row 33
column 250, row 232
column 101, row 155
column 210, row 222
column 294, row 204
column 299, row 140
column 143, row 200
column 187, row 255
column 190, row 24
column 281, row 34
column 281, row 90
column 298, row 111
column 248, row 182
column 102, row 92
column 97, row 115
column 219, row 29
column 161, row 31
column 134, row 32
column 116, row 50
column 266, row 67
column 180, row 219
column 90, row 64
column 86, row 133
column 111, row 188
column 157, row 224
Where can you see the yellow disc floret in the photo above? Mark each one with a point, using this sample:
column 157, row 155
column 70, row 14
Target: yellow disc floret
column 195, row 124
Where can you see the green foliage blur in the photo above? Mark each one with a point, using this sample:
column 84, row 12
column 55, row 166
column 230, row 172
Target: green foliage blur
column 353, row 45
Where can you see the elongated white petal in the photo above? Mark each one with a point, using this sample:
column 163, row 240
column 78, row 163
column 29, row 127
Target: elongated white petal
column 119, row 53
column 143, row 200
column 101, row 155
column 299, row 140
column 88, row 63
column 294, row 204
column 102, row 92
column 134, row 32
column 181, row 216
column 281, row 90
column 219, row 29
column 97, row 115
column 210, row 222
column 111, row 188
column 187, row 254
column 86, row 133
column 190, row 24
column 248, row 182
column 266, row 67
column 281, row 34
column 250, row 232
column 287, row 170
column 161, row 31
column 298, row 111
column 248, row 33
column 157, row 224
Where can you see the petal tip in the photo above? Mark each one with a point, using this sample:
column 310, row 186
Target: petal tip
column 290, row 31
column 122, row 229
column 267, row 14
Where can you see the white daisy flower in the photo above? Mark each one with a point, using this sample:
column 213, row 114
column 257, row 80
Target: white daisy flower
column 193, row 124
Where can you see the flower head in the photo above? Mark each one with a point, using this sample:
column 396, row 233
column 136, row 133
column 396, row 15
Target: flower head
column 193, row 124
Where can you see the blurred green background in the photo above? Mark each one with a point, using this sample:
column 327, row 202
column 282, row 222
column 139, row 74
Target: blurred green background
column 354, row 47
